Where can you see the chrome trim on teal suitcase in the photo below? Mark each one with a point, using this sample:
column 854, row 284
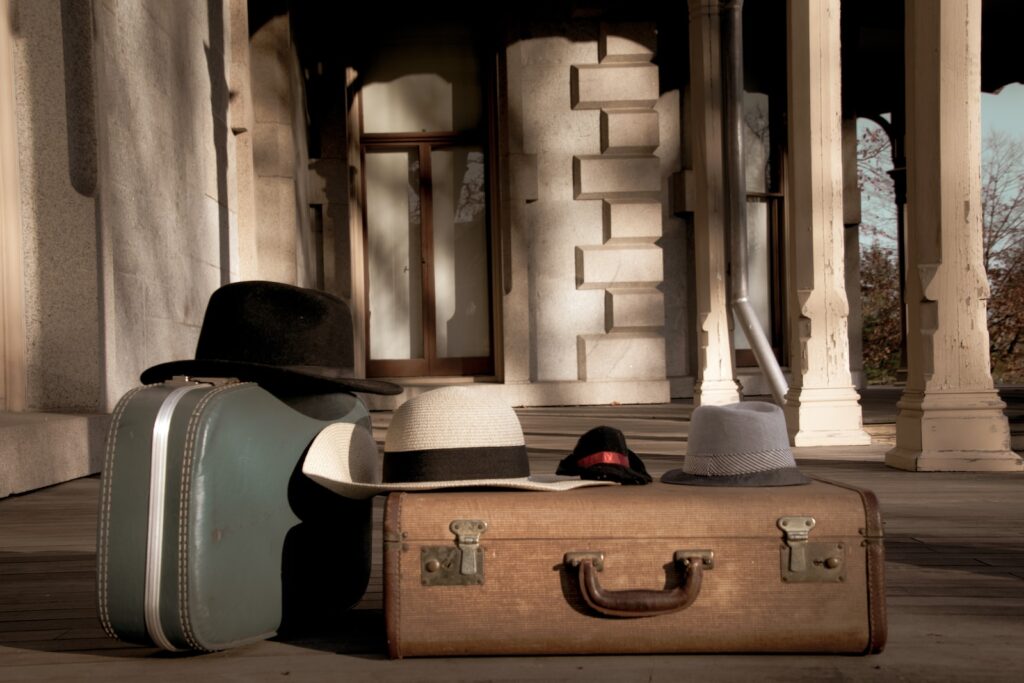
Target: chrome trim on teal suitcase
column 157, row 495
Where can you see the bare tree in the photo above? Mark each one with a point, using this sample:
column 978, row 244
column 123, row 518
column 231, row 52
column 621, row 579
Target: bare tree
column 878, row 197
column 1002, row 199
column 1002, row 196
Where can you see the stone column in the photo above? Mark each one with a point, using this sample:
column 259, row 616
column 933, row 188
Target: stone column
column 716, row 382
column 513, row 255
column 241, row 120
column 13, row 360
column 950, row 416
column 822, row 406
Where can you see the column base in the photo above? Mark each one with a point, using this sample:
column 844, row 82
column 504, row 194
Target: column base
column 43, row 449
column 963, row 431
column 829, row 416
column 956, row 461
column 716, row 392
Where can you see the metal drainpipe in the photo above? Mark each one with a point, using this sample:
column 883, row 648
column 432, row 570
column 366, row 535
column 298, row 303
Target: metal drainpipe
column 736, row 195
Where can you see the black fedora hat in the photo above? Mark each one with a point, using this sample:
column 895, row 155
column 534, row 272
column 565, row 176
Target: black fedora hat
column 602, row 454
column 288, row 339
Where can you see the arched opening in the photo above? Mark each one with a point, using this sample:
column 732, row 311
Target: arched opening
column 881, row 283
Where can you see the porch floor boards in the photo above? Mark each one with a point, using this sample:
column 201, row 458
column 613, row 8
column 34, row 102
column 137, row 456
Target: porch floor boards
column 955, row 582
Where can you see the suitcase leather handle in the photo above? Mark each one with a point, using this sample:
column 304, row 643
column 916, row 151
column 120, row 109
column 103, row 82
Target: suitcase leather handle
column 640, row 603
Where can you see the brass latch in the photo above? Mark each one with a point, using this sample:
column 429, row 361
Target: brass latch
column 805, row 562
column 795, row 532
column 458, row 565
column 467, row 538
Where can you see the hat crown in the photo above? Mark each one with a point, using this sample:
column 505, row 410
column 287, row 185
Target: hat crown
column 599, row 439
column 271, row 323
column 453, row 417
column 736, row 439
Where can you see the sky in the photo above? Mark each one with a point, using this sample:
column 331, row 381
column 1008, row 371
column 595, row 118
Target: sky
column 1004, row 111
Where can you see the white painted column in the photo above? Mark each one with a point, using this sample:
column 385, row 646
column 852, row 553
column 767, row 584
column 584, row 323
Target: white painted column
column 716, row 383
column 13, row 358
column 357, row 246
column 822, row 406
column 950, row 416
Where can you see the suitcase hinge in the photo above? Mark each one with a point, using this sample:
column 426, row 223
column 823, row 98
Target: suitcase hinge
column 443, row 565
column 186, row 380
column 806, row 562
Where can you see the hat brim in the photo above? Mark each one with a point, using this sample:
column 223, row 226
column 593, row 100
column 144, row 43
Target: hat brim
column 785, row 476
column 340, row 458
column 535, row 482
column 299, row 379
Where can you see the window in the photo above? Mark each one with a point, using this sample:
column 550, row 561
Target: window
column 426, row 210
column 766, row 284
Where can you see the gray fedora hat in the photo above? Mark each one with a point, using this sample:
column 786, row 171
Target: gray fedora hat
column 740, row 444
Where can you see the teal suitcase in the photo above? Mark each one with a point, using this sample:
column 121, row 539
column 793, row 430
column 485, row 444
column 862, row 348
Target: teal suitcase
column 209, row 534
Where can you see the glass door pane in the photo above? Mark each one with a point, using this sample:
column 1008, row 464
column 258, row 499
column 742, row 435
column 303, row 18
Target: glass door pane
column 394, row 262
column 461, row 292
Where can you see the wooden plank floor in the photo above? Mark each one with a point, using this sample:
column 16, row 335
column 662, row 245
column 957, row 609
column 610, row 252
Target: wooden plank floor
column 955, row 584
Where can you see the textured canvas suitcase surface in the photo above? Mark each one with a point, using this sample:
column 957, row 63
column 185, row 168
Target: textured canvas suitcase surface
column 635, row 569
column 209, row 534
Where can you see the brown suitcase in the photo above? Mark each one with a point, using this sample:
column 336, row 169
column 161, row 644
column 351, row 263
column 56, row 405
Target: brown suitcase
column 635, row 569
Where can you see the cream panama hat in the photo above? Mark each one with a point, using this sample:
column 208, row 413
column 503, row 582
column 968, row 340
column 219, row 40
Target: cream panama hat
column 455, row 437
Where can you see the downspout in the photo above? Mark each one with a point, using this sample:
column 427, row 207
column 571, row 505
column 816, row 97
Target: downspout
column 736, row 196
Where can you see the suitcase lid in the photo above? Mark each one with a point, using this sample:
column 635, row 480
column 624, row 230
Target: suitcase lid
column 633, row 512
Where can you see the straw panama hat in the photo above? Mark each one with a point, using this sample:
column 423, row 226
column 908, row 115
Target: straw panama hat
column 454, row 437
column 739, row 444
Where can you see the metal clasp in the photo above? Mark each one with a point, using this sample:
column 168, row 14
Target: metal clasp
column 461, row 564
column 467, row 538
column 802, row 561
column 795, row 532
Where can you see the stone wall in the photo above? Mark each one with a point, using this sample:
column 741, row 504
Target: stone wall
column 556, row 223
column 57, row 162
column 166, row 159
column 594, row 119
column 285, row 251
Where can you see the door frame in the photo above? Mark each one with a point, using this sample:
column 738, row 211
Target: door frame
column 430, row 364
